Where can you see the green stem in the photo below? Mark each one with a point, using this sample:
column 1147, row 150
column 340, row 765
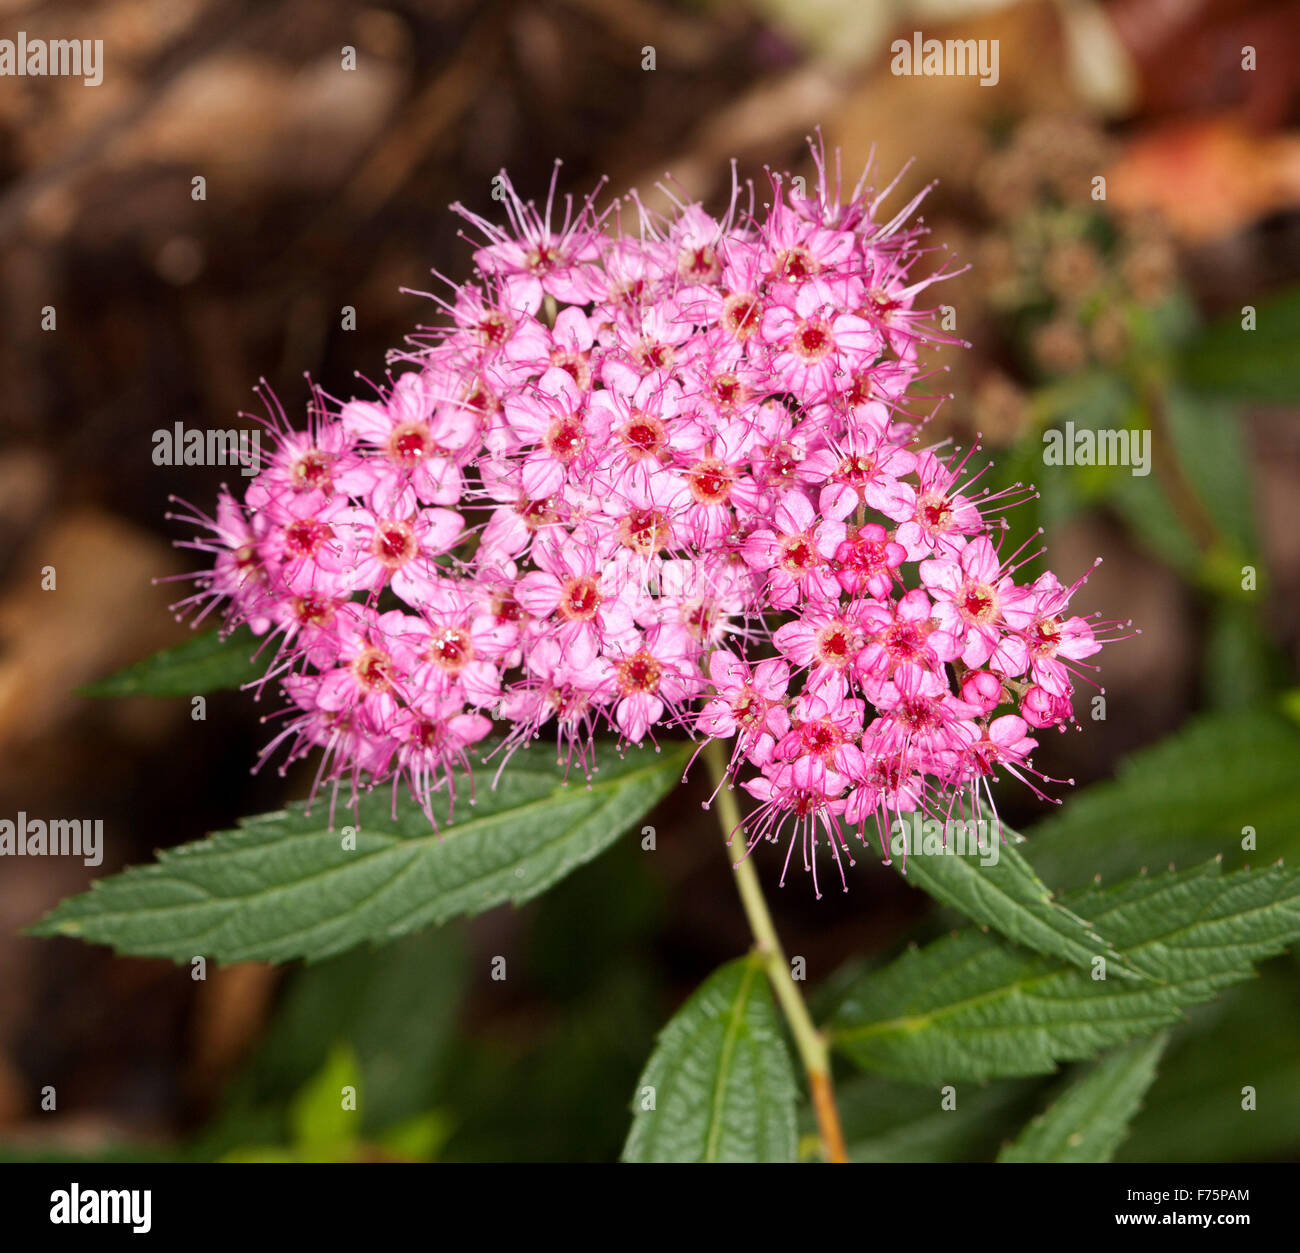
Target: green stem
column 808, row 1040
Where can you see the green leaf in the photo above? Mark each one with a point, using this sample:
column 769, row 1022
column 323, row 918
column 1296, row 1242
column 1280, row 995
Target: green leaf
column 321, row 1126
column 973, row 1006
column 1243, row 666
column 1188, row 797
column 1261, row 364
column 1142, row 504
column 395, row 1006
column 207, row 663
column 559, row 1092
column 1209, row 441
column 1087, row 1122
column 1195, row 1111
column 418, row 1139
column 283, row 885
column 1008, row 896
column 896, row 1122
column 724, row 1087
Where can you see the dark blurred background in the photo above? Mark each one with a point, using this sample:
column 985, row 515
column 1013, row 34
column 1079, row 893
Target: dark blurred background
column 328, row 188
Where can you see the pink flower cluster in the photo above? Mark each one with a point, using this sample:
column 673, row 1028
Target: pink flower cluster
column 663, row 479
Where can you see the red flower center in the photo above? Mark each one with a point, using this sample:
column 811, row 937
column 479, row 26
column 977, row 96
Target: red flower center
column 795, row 263
column 540, row 258
column 639, row 673
column 304, row 537
column 537, row 513
column 656, row 356
column 493, row 329
column 315, row 611
column 835, row 645
column 565, row 439
column 644, row 435
column 451, row 649
column 740, row 315
column 1047, row 637
column 696, row 265
column 748, row 707
column 821, row 738
column 312, row 470
column 574, row 364
column 580, row 599
column 798, row 556
column 935, row 511
column 409, row 443
column 394, row 544
column 905, row 641
column 710, row 481
column 813, row 339
column 373, row 669
column 728, row 391
column 978, row 603
column 644, row 531
column 782, row 462
column 506, row 609
column 856, row 469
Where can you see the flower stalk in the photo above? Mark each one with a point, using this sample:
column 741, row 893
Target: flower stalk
column 809, row 1041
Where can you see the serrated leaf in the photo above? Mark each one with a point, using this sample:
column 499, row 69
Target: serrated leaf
column 1188, row 797
column 1008, row 896
column 207, row 663
column 973, row 1006
column 282, row 885
column 724, row 1086
column 1087, row 1122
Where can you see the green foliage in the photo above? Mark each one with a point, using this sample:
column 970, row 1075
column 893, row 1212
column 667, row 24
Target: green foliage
column 592, row 984
column 885, row 1121
column 1196, row 1109
column 1210, row 445
column 284, row 885
column 973, row 1006
column 323, row 1127
column 722, row 1080
column 325, row 1123
column 1242, row 665
column 1009, row 897
column 393, row 1007
column 1089, row 1119
column 1186, row 798
column 207, row 663
column 1195, row 510
column 1261, row 365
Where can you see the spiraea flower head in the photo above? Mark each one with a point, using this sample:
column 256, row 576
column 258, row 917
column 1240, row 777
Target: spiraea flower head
column 658, row 476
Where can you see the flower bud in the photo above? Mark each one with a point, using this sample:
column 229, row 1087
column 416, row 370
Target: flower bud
column 1041, row 709
column 983, row 689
